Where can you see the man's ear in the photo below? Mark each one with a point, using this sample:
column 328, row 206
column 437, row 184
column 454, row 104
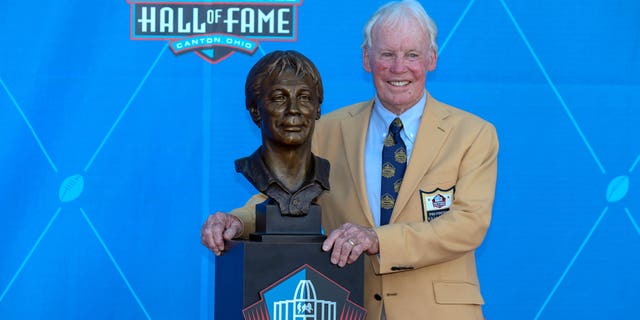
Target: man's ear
column 365, row 59
column 255, row 114
column 433, row 60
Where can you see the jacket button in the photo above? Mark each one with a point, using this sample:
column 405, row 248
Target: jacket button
column 377, row 297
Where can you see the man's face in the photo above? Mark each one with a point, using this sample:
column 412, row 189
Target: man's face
column 399, row 59
column 287, row 108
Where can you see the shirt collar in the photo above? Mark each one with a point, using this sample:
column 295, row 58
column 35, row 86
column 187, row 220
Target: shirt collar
column 254, row 163
column 410, row 118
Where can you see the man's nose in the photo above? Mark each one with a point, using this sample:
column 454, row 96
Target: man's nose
column 398, row 65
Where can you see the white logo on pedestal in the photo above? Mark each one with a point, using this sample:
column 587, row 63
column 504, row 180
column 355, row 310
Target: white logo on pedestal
column 304, row 305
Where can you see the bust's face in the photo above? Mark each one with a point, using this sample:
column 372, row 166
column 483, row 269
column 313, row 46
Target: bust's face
column 288, row 107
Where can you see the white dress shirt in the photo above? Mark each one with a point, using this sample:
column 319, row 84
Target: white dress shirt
column 378, row 129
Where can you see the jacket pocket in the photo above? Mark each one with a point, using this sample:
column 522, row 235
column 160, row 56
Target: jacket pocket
column 457, row 292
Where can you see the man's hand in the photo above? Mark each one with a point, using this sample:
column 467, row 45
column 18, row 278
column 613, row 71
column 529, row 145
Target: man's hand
column 219, row 227
column 349, row 242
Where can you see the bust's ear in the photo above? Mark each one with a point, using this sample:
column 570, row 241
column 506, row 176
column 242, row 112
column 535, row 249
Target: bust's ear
column 255, row 114
column 318, row 114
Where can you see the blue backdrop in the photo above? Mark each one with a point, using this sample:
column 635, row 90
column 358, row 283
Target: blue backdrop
column 113, row 150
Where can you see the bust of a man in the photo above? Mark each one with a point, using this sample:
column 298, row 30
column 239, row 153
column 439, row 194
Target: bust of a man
column 283, row 95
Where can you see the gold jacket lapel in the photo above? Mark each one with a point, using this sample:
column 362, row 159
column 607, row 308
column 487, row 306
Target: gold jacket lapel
column 429, row 141
column 354, row 133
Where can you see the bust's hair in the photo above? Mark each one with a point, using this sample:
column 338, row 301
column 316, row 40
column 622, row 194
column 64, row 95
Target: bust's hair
column 279, row 62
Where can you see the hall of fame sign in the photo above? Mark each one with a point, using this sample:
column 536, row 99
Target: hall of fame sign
column 214, row 30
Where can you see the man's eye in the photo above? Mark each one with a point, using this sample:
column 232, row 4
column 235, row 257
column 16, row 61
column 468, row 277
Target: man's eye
column 304, row 97
column 278, row 98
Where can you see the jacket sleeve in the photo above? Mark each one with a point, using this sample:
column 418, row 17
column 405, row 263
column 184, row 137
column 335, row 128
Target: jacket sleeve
column 247, row 214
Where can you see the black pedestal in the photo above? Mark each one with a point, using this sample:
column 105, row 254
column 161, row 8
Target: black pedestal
column 254, row 278
column 269, row 220
column 282, row 273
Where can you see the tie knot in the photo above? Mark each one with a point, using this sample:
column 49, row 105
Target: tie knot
column 396, row 126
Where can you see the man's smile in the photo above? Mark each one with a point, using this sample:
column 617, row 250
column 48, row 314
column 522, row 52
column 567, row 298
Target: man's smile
column 399, row 83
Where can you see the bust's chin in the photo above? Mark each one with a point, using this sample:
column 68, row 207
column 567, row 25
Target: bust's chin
column 293, row 139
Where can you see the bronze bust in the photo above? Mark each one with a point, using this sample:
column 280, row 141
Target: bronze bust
column 283, row 94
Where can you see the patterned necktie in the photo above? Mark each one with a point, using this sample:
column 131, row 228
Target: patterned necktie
column 394, row 164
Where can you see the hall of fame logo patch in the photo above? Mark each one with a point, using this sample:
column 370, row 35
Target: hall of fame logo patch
column 214, row 30
column 435, row 203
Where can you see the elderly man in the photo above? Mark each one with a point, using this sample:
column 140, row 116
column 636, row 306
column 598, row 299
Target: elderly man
column 413, row 181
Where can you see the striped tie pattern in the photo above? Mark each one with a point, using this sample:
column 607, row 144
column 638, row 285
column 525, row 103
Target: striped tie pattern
column 394, row 164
